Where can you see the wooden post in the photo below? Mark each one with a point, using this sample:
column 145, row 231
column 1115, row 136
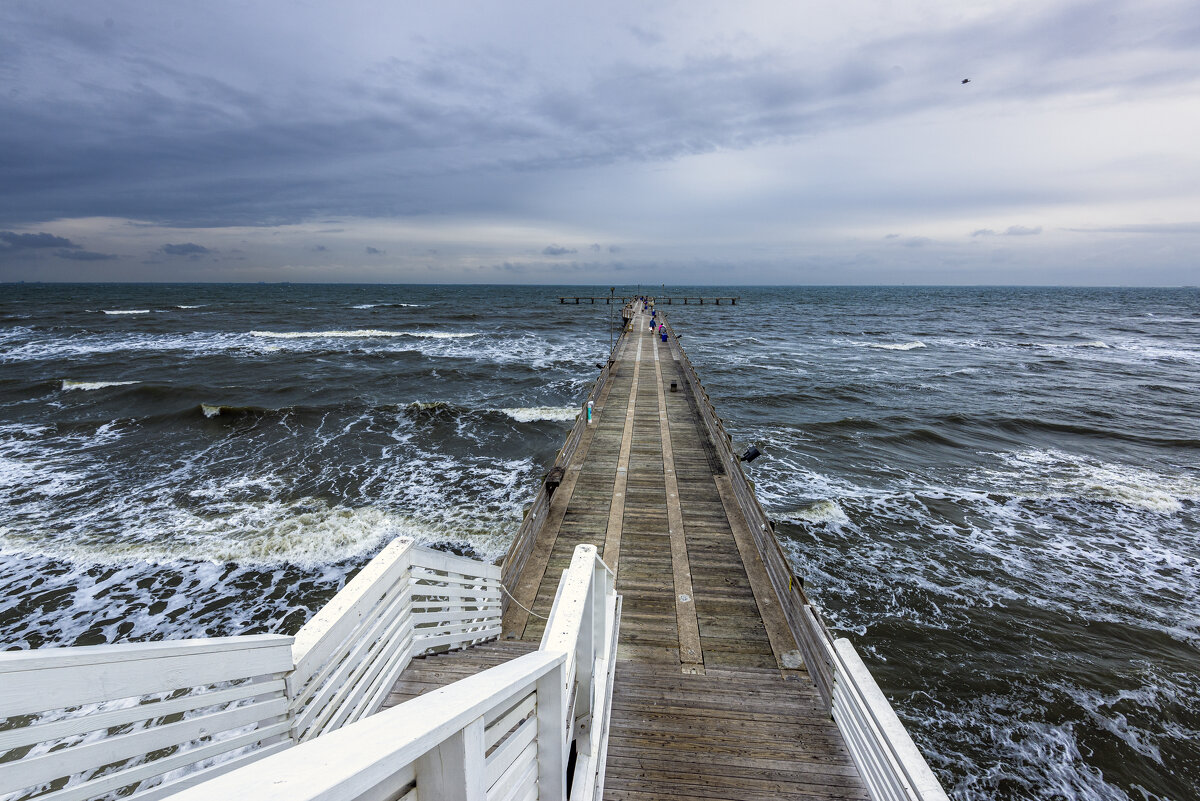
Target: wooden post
column 454, row 770
column 551, row 742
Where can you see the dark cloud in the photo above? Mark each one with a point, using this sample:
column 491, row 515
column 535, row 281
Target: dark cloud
column 15, row 241
column 1021, row 230
column 983, row 232
column 319, row 249
column 376, row 251
column 916, row 241
column 595, row 247
column 85, row 255
column 557, row 250
column 185, row 249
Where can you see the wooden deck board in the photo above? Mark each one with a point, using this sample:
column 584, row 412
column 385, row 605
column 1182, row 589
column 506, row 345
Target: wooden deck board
column 735, row 719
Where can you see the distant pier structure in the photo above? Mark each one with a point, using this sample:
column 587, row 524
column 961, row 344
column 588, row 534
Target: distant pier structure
column 666, row 301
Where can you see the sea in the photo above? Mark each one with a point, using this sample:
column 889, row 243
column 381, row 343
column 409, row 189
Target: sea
column 994, row 493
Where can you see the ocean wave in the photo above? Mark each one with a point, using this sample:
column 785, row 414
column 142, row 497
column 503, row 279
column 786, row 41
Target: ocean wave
column 126, row 311
column 528, row 414
column 197, row 306
column 67, row 384
column 1053, row 474
column 363, row 333
column 307, row 532
column 819, row 512
column 893, row 346
column 391, row 305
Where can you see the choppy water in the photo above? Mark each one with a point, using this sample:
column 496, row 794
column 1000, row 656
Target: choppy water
column 994, row 492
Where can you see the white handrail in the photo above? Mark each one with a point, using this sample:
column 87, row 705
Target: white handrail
column 406, row 602
column 505, row 733
column 438, row 742
column 88, row 721
column 150, row 718
column 584, row 624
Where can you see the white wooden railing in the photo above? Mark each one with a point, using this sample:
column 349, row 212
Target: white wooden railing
column 84, row 722
column 148, row 719
column 406, row 602
column 505, row 734
column 495, row 735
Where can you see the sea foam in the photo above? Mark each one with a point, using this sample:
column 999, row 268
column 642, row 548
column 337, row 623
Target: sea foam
column 528, row 414
column 89, row 385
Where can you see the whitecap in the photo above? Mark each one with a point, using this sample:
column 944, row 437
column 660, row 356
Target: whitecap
column 1095, row 344
column 1054, row 474
column 89, row 385
column 528, row 414
column 126, row 311
column 210, row 410
column 896, row 346
column 200, row 306
column 819, row 512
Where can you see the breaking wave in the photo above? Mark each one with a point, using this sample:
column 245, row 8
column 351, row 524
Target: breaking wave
column 67, row 384
column 528, row 414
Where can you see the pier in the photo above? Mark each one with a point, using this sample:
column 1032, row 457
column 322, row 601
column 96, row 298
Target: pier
column 644, row 639
column 667, row 300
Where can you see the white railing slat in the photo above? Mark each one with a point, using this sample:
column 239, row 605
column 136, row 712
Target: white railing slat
column 56, row 764
column 444, row 619
column 498, row 728
column 517, row 777
column 44, row 732
column 80, row 680
column 113, row 781
column 510, row 749
column 320, row 636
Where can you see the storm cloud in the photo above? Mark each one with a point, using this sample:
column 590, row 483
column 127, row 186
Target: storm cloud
column 485, row 135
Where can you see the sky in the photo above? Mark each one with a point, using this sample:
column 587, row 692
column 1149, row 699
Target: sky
column 617, row 142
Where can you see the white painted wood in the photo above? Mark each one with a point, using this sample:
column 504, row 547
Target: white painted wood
column 203, row 775
column 444, row 618
column 424, row 643
column 886, row 744
column 318, row 638
column 520, row 777
column 56, row 764
column 497, row 729
column 16, row 738
column 355, row 760
column 452, row 770
column 77, row 677
column 551, row 735
column 506, row 754
column 113, row 781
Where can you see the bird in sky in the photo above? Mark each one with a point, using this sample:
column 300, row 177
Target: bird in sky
column 966, row 80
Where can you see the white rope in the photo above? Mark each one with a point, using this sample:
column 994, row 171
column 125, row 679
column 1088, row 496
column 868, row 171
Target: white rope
column 512, row 598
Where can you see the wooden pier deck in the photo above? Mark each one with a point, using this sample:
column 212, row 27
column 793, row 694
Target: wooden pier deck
column 711, row 699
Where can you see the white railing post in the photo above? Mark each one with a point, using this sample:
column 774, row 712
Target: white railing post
column 553, row 735
column 453, row 771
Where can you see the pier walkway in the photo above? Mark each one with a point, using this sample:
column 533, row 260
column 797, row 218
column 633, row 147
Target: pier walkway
column 711, row 699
